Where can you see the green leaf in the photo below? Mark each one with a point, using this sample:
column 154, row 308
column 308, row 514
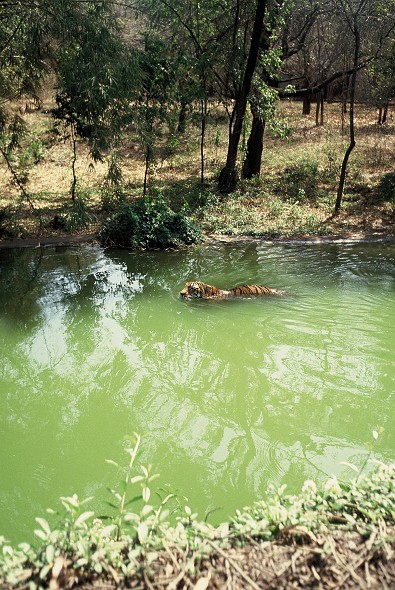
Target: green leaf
column 107, row 530
column 44, row 525
column 40, row 533
column 71, row 500
column 111, row 462
column 164, row 514
column 146, row 509
column 132, row 500
column 50, row 553
column 142, row 532
column 116, row 494
column 137, row 478
column 44, row 571
column 350, row 465
column 131, row 516
column 83, row 517
column 146, row 494
column 66, row 506
column 111, row 504
column 154, row 476
column 86, row 500
column 81, row 562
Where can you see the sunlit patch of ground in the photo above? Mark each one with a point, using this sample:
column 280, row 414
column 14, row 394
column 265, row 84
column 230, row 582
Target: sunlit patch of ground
column 259, row 208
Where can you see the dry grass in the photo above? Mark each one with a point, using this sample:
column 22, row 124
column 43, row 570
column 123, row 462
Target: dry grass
column 258, row 208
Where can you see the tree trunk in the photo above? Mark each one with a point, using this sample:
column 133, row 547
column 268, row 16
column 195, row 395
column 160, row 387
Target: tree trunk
column 382, row 115
column 357, row 43
column 182, row 117
column 203, row 138
column 228, row 177
column 346, row 83
column 306, row 105
column 385, row 112
column 73, row 162
column 319, row 110
column 253, row 157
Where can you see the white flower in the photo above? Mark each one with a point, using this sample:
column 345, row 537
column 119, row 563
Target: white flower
column 309, row 487
column 332, row 487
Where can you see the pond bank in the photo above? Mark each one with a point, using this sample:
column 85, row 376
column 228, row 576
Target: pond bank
column 378, row 236
column 341, row 536
column 298, row 559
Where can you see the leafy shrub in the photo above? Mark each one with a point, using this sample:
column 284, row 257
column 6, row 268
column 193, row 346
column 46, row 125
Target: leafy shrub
column 280, row 128
column 111, row 198
column 32, row 155
column 8, row 229
column 332, row 164
column 149, row 223
column 4, row 215
column 386, row 187
column 173, row 145
column 299, row 182
column 78, row 216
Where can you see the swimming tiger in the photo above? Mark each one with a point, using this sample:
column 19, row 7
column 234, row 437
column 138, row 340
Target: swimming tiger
column 199, row 290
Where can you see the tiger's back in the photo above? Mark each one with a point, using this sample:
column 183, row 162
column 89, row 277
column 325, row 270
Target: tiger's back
column 254, row 291
column 199, row 290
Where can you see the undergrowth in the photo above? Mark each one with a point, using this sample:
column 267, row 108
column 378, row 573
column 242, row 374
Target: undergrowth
column 78, row 544
column 149, row 223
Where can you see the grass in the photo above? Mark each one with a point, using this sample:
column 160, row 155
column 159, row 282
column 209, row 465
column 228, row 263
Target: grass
column 295, row 194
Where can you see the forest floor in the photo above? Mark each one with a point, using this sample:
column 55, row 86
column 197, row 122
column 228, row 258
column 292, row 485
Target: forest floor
column 293, row 199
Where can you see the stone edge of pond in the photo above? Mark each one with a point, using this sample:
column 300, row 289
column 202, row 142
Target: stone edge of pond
column 50, row 241
column 91, row 239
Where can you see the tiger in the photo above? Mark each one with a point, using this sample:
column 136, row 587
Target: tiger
column 199, row 290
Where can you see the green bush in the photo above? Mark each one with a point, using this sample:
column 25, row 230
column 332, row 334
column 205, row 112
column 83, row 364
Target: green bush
column 111, row 197
column 299, row 181
column 7, row 226
column 386, row 187
column 149, row 223
column 77, row 216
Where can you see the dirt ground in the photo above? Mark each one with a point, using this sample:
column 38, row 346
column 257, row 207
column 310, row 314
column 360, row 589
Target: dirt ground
column 45, row 159
column 298, row 559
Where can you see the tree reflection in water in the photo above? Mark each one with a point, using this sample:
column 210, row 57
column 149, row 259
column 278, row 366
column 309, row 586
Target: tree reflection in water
column 229, row 396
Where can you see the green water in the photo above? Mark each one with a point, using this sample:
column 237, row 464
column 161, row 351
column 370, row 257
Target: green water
column 228, row 396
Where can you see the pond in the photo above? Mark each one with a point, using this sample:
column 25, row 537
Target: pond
column 229, row 396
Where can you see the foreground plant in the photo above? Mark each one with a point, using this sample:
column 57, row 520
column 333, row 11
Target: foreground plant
column 132, row 545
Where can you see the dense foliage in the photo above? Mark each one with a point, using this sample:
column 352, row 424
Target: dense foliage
column 149, row 223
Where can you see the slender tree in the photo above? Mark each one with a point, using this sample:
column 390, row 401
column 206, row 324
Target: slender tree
column 228, row 177
column 353, row 17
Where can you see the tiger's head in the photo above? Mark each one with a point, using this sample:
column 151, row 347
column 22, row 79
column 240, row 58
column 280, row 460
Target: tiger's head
column 198, row 290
